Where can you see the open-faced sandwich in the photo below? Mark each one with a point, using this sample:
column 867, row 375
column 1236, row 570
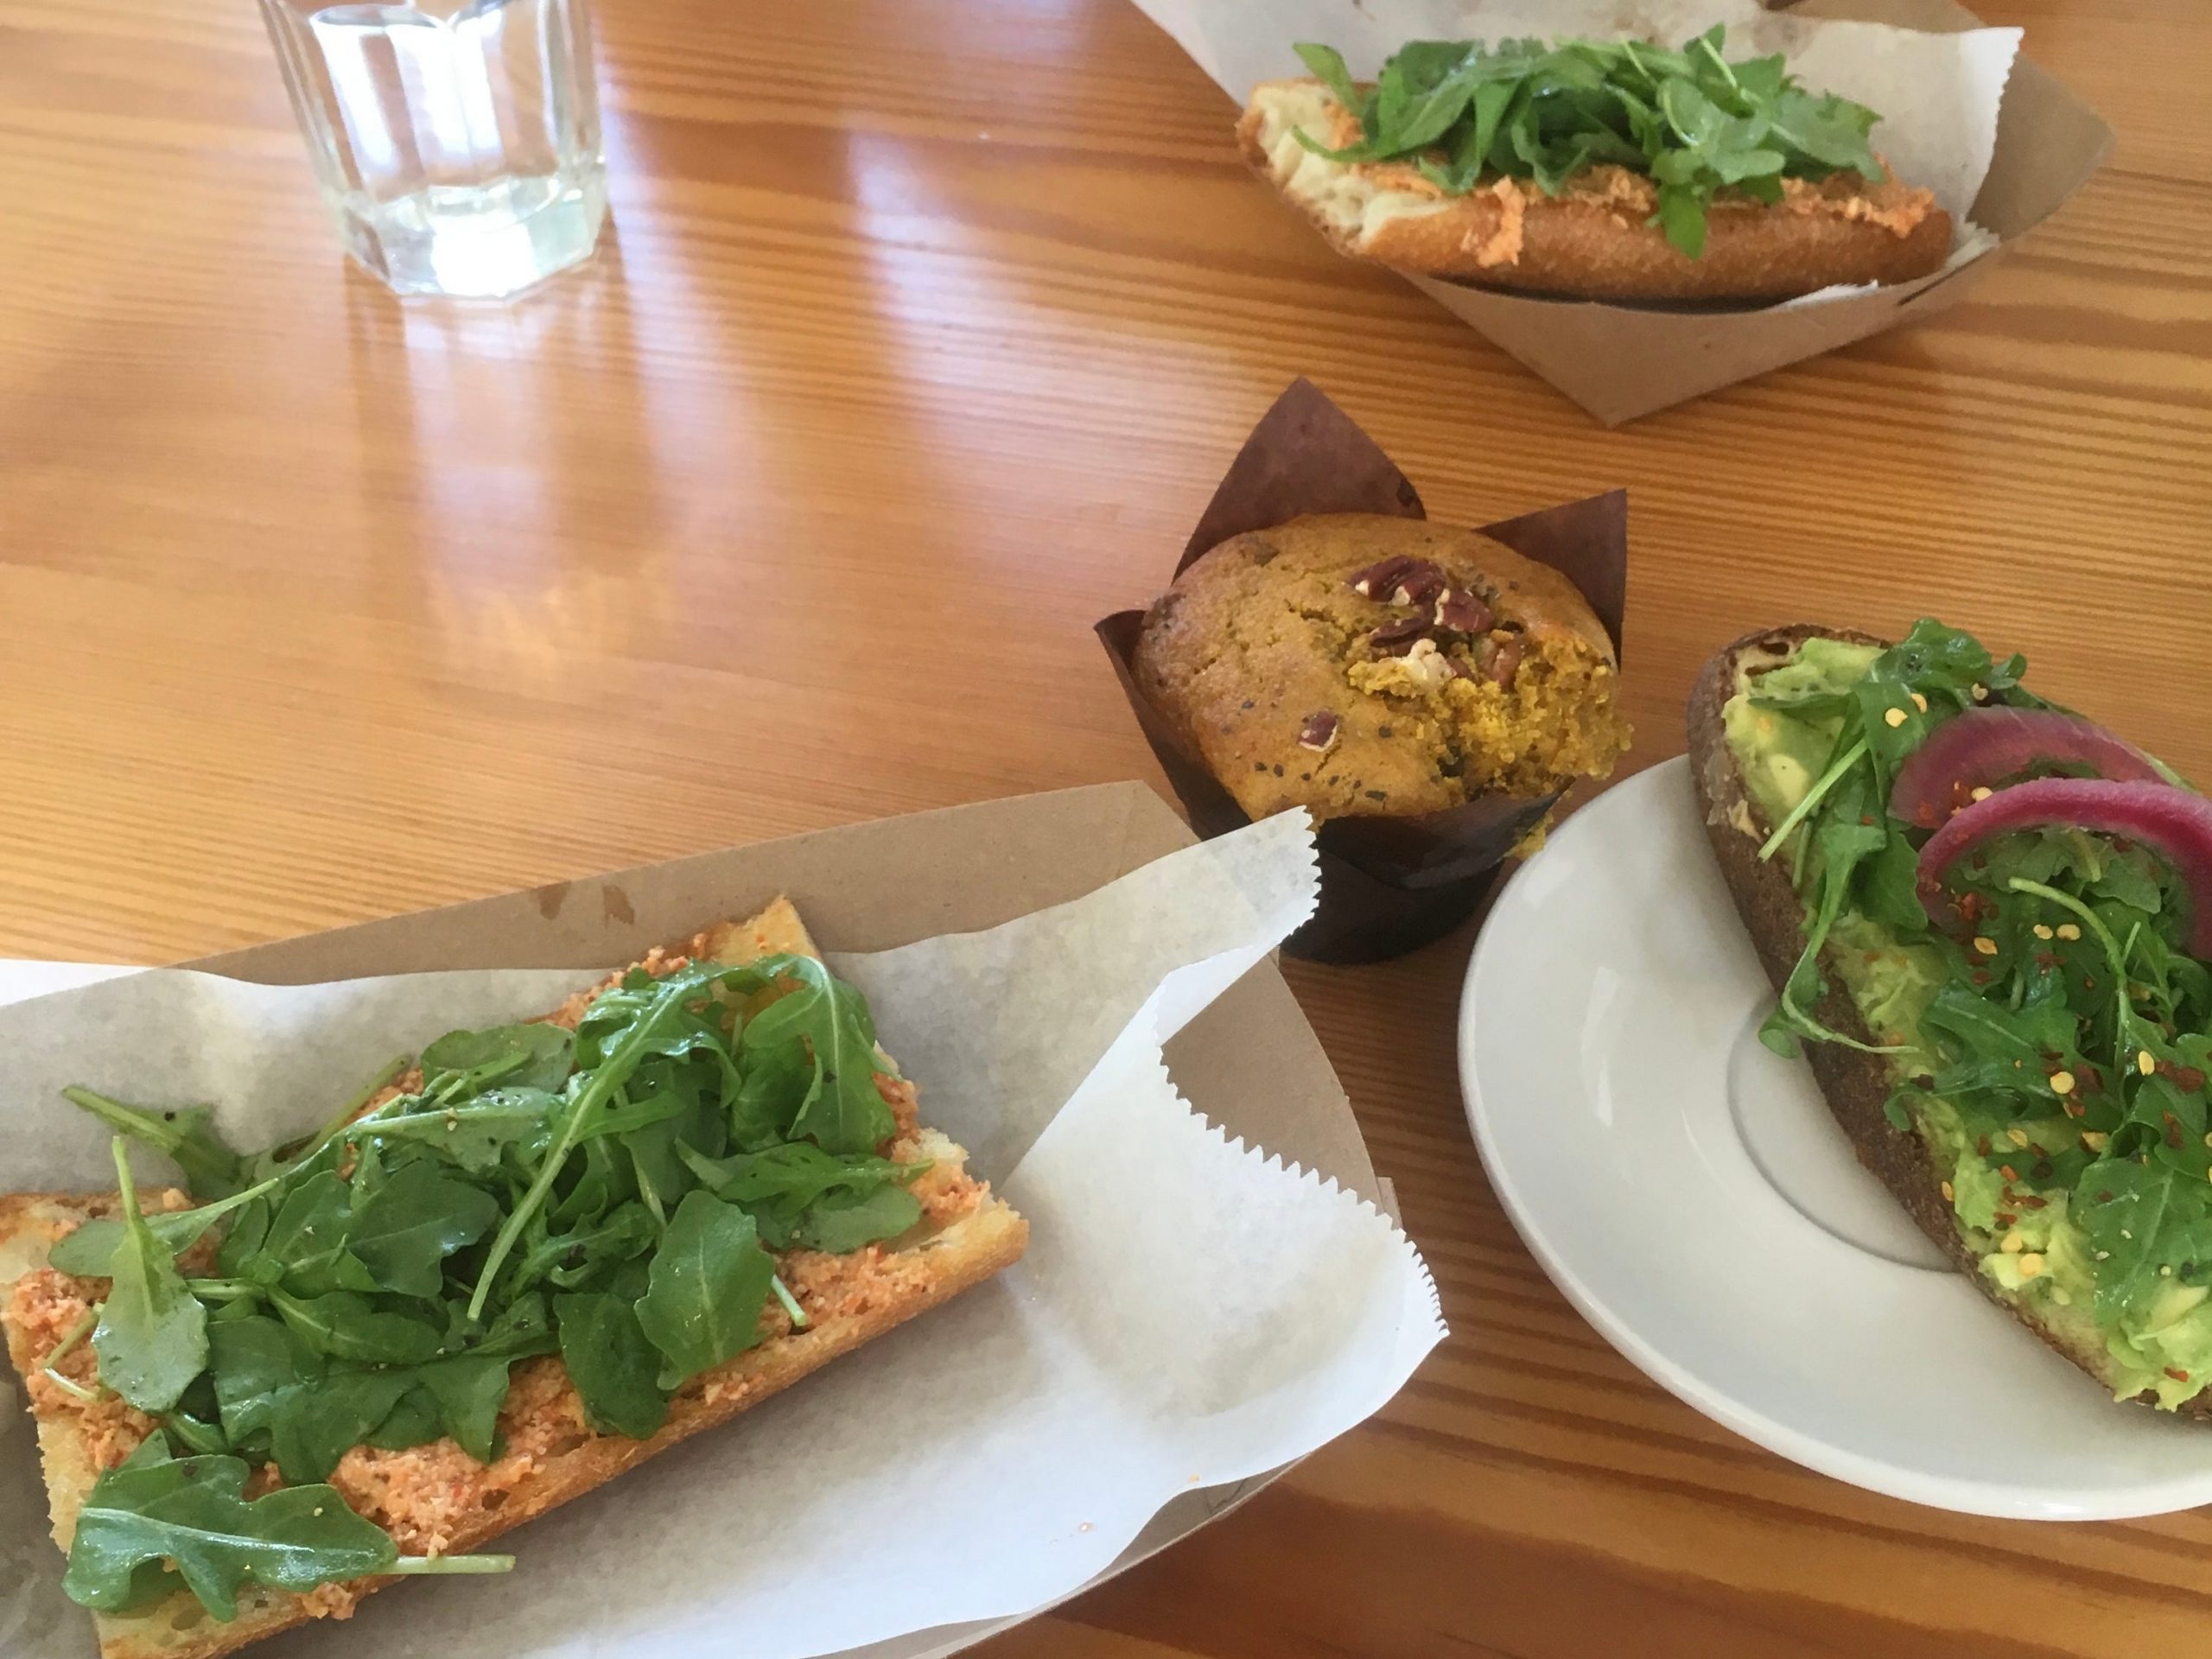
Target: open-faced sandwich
column 534, row 1257
column 1600, row 169
column 1990, row 922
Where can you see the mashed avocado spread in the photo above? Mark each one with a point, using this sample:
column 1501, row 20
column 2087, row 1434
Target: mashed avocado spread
column 2071, row 1124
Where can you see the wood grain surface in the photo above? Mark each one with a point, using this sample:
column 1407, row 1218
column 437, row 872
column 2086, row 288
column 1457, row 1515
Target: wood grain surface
column 924, row 328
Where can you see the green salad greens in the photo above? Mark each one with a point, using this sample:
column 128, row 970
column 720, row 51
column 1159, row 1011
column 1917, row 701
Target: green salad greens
column 2048, row 1031
column 1466, row 113
column 612, row 1196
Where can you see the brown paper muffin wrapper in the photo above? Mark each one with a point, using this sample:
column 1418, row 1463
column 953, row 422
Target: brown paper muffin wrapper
column 1388, row 884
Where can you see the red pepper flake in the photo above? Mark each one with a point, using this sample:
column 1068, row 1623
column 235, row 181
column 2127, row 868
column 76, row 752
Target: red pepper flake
column 2173, row 1130
column 1982, row 1145
column 2029, row 1200
column 2188, row 1077
column 2178, row 1376
column 2046, row 960
column 1979, row 976
column 2009, row 1173
column 2004, row 1220
column 2087, row 1077
column 2076, row 1109
column 2104, row 1197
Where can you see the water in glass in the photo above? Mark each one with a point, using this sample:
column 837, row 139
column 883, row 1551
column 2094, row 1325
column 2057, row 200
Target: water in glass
column 458, row 144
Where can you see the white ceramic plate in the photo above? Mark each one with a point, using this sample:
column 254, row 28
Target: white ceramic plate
column 1689, row 1191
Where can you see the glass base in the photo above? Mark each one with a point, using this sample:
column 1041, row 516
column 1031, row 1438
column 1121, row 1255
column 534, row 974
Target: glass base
column 487, row 242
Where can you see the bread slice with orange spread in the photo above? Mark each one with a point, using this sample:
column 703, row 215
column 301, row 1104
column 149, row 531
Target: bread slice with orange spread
column 435, row 1498
column 1593, row 240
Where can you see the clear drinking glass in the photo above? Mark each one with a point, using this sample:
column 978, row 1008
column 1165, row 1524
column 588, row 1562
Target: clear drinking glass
column 457, row 143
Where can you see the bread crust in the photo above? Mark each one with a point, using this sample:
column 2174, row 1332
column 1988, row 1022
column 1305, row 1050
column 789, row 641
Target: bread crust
column 1592, row 242
column 1855, row 1085
column 964, row 1252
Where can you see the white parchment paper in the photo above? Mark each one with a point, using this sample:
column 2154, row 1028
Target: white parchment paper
column 1938, row 94
column 1190, row 1312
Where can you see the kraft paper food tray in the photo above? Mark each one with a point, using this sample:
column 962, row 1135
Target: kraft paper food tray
column 870, row 887
column 1620, row 362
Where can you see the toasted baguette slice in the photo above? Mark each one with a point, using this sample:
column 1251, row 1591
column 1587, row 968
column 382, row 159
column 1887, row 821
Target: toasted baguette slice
column 1592, row 241
column 1856, row 1085
column 435, row 1498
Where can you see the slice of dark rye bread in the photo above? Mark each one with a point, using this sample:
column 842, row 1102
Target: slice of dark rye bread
column 1856, row 1085
column 552, row 1454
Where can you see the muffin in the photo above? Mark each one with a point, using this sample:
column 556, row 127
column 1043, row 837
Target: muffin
column 1363, row 666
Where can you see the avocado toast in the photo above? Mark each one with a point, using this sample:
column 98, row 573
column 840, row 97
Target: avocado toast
column 1986, row 921
column 527, row 1262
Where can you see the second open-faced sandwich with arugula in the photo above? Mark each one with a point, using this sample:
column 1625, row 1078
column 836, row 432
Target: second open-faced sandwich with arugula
column 527, row 1260
column 1990, row 922
column 1601, row 169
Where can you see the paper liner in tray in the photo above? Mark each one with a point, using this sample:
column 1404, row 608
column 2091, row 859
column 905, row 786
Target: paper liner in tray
column 1388, row 884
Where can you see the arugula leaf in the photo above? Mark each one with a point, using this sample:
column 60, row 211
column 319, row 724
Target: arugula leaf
column 1847, row 834
column 258, row 1365
column 152, row 1334
column 405, row 1230
column 345, row 1325
column 610, row 1068
column 1464, row 113
column 534, row 1056
column 698, row 1123
column 2140, row 1218
column 194, row 1434
column 569, row 1259
column 1985, row 1026
column 709, row 1281
column 606, row 1180
column 523, row 1328
column 851, row 1221
column 469, row 1389
column 323, row 1424
column 781, row 1186
column 270, row 1385
column 90, row 1250
column 248, row 1233
column 187, row 1135
column 1889, row 888
column 305, row 1246
column 843, row 1111
column 612, row 1363
column 1328, row 65
column 414, row 1422
column 475, row 1133
column 192, row 1514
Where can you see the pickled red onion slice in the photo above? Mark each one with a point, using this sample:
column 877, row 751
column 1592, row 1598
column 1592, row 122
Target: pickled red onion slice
column 1983, row 746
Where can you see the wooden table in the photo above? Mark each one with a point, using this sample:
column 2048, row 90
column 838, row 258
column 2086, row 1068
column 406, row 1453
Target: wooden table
column 925, row 328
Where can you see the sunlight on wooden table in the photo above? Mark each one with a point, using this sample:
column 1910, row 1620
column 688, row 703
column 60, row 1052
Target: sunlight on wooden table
column 923, row 331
